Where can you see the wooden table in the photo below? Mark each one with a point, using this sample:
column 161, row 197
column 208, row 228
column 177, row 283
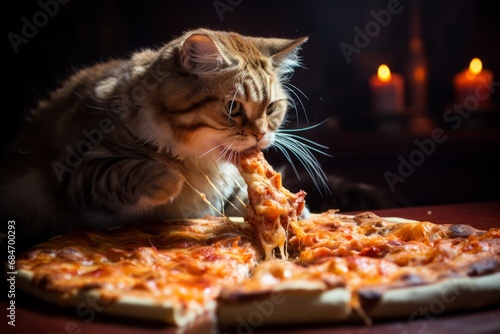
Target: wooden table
column 34, row 316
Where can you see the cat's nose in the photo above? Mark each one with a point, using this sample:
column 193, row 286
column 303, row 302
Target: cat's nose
column 259, row 135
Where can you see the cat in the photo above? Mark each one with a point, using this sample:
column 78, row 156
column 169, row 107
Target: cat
column 153, row 136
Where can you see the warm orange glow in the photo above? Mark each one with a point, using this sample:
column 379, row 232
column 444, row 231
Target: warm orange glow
column 383, row 73
column 419, row 73
column 475, row 67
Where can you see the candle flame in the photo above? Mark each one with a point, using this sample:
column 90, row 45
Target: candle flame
column 383, row 73
column 475, row 66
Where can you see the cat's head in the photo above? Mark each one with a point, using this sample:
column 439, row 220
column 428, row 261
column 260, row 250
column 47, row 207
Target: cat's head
column 226, row 93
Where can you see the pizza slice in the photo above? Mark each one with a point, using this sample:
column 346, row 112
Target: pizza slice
column 165, row 271
column 272, row 210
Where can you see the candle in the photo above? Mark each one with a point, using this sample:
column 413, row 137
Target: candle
column 387, row 91
column 473, row 86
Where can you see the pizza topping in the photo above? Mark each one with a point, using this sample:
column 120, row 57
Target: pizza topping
column 460, row 231
column 486, row 266
column 71, row 253
column 369, row 297
column 410, row 279
column 375, row 251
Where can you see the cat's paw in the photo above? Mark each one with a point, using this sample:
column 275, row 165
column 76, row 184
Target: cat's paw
column 160, row 184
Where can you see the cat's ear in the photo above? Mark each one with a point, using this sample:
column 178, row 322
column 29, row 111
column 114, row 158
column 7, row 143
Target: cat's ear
column 286, row 49
column 283, row 52
column 200, row 55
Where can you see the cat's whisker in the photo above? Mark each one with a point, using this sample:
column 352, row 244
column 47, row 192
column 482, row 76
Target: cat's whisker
column 293, row 139
column 232, row 154
column 226, row 155
column 297, row 142
column 227, row 150
column 294, row 105
column 232, row 103
column 297, row 89
column 94, row 107
column 305, row 129
column 210, row 150
column 283, row 150
column 290, row 88
column 302, row 149
column 313, row 169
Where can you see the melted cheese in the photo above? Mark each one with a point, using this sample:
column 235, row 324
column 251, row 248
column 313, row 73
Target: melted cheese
column 272, row 209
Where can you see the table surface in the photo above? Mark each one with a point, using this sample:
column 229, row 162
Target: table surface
column 35, row 316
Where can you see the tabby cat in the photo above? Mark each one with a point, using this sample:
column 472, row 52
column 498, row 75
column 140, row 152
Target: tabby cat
column 148, row 137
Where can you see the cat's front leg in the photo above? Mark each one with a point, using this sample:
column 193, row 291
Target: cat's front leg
column 117, row 188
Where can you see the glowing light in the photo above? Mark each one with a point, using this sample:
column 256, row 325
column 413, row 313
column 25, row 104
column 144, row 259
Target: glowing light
column 383, row 73
column 475, row 66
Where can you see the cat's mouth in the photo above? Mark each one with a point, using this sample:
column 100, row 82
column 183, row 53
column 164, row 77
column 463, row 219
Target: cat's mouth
column 230, row 151
column 233, row 155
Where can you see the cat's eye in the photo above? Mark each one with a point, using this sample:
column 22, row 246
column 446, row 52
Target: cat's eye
column 271, row 107
column 233, row 108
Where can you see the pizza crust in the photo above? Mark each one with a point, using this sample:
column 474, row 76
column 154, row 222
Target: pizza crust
column 298, row 302
column 453, row 294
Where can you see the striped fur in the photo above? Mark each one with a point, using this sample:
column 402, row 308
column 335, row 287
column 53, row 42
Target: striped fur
column 144, row 138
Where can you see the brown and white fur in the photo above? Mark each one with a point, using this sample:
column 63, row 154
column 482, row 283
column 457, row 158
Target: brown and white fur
column 150, row 136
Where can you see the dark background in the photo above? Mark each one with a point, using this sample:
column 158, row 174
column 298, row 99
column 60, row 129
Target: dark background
column 463, row 168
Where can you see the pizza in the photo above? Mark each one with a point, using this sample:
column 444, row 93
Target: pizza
column 271, row 267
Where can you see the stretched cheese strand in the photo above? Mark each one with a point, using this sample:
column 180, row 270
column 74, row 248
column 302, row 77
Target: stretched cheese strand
column 272, row 210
